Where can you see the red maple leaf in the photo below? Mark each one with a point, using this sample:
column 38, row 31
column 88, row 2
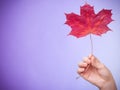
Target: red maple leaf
column 88, row 22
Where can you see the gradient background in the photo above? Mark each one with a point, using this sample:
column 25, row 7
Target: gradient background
column 37, row 54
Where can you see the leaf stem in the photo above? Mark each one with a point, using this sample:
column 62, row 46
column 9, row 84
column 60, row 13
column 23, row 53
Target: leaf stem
column 91, row 43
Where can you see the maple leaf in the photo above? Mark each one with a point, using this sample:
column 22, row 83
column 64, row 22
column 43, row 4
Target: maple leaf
column 88, row 22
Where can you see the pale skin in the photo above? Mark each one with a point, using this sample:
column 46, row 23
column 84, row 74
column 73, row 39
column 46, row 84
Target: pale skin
column 95, row 72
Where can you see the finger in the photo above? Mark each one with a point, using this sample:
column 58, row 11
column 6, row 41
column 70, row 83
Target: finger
column 82, row 64
column 95, row 62
column 86, row 60
column 90, row 56
column 80, row 70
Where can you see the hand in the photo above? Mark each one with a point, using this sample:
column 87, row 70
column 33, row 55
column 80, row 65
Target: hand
column 92, row 70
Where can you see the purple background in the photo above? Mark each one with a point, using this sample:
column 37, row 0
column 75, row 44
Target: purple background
column 37, row 54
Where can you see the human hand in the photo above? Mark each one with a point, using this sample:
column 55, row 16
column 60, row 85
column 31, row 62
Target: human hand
column 92, row 70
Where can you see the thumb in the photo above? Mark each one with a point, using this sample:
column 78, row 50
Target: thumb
column 95, row 62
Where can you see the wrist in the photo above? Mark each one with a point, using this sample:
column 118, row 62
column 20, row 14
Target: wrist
column 110, row 85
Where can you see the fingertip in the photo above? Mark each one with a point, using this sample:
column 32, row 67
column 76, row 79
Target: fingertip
column 83, row 64
column 93, row 57
column 80, row 70
column 90, row 55
column 87, row 61
column 79, row 64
